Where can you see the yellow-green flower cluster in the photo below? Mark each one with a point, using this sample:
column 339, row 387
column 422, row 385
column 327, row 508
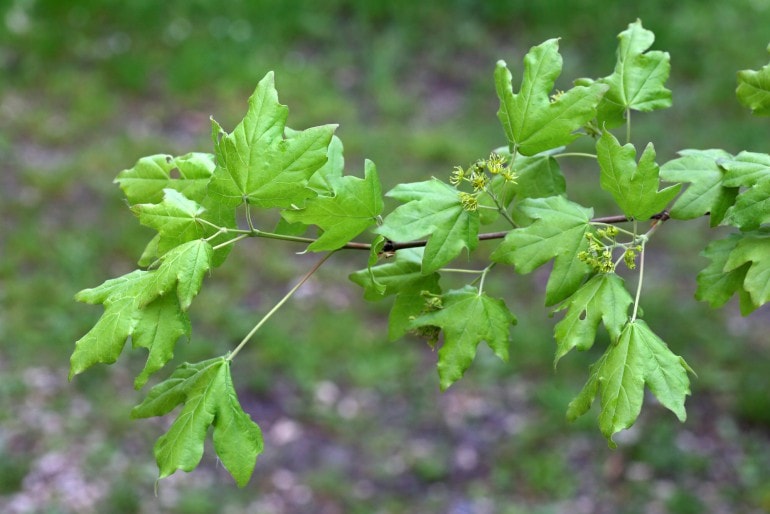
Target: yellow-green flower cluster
column 599, row 255
column 479, row 175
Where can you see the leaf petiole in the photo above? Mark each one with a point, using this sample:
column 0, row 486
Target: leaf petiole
column 277, row 306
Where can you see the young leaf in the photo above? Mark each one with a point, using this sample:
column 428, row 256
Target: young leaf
column 753, row 248
column 467, row 318
column 754, row 90
column 603, row 298
column 175, row 218
column 715, row 285
column 634, row 187
column 638, row 80
column 534, row 122
column 255, row 163
column 145, row 182
column 433, row 209
column 182, row 268
column 209, row 398
column 403, row 278
column 708, row 191
column 352, row 207
column 558, row 233
column 639, row 357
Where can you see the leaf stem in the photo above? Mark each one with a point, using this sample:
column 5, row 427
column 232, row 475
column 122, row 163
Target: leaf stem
column 575, row 154
column 628, row 125
column 639, row 285
column 277, row 306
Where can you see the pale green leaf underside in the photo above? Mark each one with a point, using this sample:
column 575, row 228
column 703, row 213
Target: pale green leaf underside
column 432, row 210
column 467, row 318
column 638, row 358
column 558, row 233
column 206, row 391
column 708, row 192
column 352, row 207
column 532, row 121
column 148, row 306
column 176, row 219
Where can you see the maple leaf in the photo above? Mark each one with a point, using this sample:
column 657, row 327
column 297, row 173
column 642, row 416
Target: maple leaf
column 754, row 90
column 176, row 219
column 602, row 299
column 558, row 233
column 638, row 79
column 353, row 206
column 209, row 398
column 257, row 164
column 433, row 209
column 534, row 122
column 708, row 192
column 754, row 248
column 638, row 358
column 136, row 305
column 404, row 279
column 715, row 285
column 467, row 318
column 752, row 207
column 634, row 187
column 189, row 174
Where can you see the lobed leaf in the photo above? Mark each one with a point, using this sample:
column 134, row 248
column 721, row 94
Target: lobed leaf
column 754, row 90
column 256, row 164
column 136, row 305
column 603, row 298
column 175, row 218
column 533, row 121
column 753, row 248
column 353, row 206
column 432, row 209
column 715, row 285
column 638, row 358
column 146, row 181
column 634, row 187
column 709, row 191
column 206, row 391
column 558, row 233
column 637, row 83
column 467, row 318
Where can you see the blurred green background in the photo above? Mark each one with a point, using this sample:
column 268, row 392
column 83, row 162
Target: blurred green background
column 353, row 423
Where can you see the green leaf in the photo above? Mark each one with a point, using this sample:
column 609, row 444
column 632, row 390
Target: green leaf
column 746, row 169
column 189, row 174
column 137, row 305
column 433, row 209
column 715, row 285
column 255, row 163
column 353, row 206
column 532, row 121
column 752, row 207
column 333, row 168
column 708, row 192
column 634, row 187
column 753, row 248
column 209, row 398
column 403, row 278
column 754, row 90
column 603, row 298
column 638, row 358
column 558, row 233
column 638, row 80
column 175, row 218
column 538, row 176
column 467, row 318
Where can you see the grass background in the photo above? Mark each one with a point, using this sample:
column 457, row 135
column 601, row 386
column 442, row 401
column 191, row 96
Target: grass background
column 352, row 422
